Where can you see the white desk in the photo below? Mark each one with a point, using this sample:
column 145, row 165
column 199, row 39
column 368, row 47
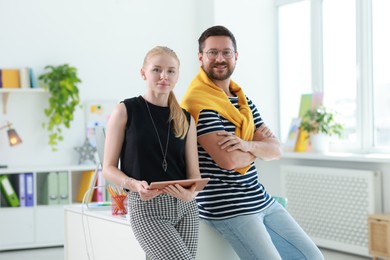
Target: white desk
column 111, row 237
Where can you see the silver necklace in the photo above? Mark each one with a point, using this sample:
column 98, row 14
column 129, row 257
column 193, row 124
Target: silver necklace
column 164, row 163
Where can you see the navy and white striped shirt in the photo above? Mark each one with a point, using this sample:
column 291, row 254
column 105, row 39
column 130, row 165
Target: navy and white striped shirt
column 228, row 193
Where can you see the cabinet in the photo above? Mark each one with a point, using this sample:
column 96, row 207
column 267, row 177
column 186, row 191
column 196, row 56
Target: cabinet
column 379, row 235
column 111, row 237
column 40, row 224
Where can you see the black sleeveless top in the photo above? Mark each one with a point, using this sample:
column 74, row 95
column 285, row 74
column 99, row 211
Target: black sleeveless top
column 141, row 156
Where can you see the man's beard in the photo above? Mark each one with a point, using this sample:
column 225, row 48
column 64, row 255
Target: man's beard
column 213, row 76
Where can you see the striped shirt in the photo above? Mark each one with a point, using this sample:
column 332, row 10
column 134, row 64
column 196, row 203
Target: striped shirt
column 228, row 193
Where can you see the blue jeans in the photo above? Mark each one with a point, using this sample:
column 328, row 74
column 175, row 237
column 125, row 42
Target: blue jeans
column 271, row 234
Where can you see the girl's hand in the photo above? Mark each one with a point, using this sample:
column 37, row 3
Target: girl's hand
column 179, row 192
column 143, row 190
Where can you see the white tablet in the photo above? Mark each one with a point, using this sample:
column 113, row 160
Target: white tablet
column 200, row 183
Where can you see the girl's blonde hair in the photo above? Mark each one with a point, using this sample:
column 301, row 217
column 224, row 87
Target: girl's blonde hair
column 179, row 120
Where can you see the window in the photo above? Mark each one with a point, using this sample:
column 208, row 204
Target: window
column 294, row 65
column 381, row 72
column 339, row 63
column 349, row 63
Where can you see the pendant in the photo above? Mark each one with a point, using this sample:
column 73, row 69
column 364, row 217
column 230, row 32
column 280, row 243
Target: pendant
column 165, row 165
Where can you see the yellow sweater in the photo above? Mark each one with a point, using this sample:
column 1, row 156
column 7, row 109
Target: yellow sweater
column 203, row 94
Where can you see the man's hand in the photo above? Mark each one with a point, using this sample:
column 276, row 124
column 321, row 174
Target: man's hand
column 263, row 132
column 230, row 142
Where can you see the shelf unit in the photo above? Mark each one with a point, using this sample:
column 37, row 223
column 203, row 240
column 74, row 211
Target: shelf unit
column 39, row 225
column 6, row 91
column 21, row 90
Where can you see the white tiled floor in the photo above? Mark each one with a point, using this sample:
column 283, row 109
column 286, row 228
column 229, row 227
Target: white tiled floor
column 57, row 253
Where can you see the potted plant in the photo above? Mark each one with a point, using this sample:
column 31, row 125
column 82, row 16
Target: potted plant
column 320, row 124
column 61, row 83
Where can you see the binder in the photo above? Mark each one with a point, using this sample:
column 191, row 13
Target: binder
column 52, row 188
column 3, row 202
column 99, row 194
column 22, row 190
column 8, row 191
column 87, row 179
column 24, row 78
column 10, row 78
column 63, row 191
column 29, row 189
column 33, row 80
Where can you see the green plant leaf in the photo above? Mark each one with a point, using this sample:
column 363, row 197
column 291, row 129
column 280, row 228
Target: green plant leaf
column 62, row 84
column 321, row 120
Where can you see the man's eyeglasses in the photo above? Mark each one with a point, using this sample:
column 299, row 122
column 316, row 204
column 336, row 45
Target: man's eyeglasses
column 213, row 54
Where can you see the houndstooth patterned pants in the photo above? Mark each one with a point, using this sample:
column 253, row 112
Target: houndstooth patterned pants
column 166, row 228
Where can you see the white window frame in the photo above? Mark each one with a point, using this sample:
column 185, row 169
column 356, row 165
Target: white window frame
column 365, row 120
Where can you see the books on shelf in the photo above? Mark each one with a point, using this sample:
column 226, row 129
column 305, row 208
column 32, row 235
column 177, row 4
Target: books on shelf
column 18, row 78
column 51, row 196
column 55, row 189
column 99, row 190
column 9, row 78
column 29, row 189
column 22, row 189
column 3, row 202
column 33, row 79
column 63, row 188
column 8, row 191
column 24, row 76
column 17, row 190
column 26, row 189
column 87, row 181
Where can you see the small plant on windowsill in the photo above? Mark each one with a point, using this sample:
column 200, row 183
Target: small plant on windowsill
column 321, row 122
column 61, row 83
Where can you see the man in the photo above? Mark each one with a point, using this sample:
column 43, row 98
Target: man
column 231, row 135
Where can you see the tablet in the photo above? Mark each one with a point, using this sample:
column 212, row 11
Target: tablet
column 200, row 183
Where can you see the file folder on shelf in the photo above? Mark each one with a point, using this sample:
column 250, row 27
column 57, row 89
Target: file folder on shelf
column 3, row 202
column 63, row 192
column 9, row 78
column 52, row 188
column 88, row 179
column 24, row 77
column 33, row 80
column 29, row 189
column 22, row 190
column 99, row 189
column 8, row 191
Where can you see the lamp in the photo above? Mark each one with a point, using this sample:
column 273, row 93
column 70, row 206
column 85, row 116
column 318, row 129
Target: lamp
column 13, row 136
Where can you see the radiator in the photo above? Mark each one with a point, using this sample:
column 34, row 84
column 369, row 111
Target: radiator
column 332, row 204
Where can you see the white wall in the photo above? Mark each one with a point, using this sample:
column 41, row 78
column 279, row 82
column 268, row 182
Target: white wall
column 254, row 26
column 106, row 41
